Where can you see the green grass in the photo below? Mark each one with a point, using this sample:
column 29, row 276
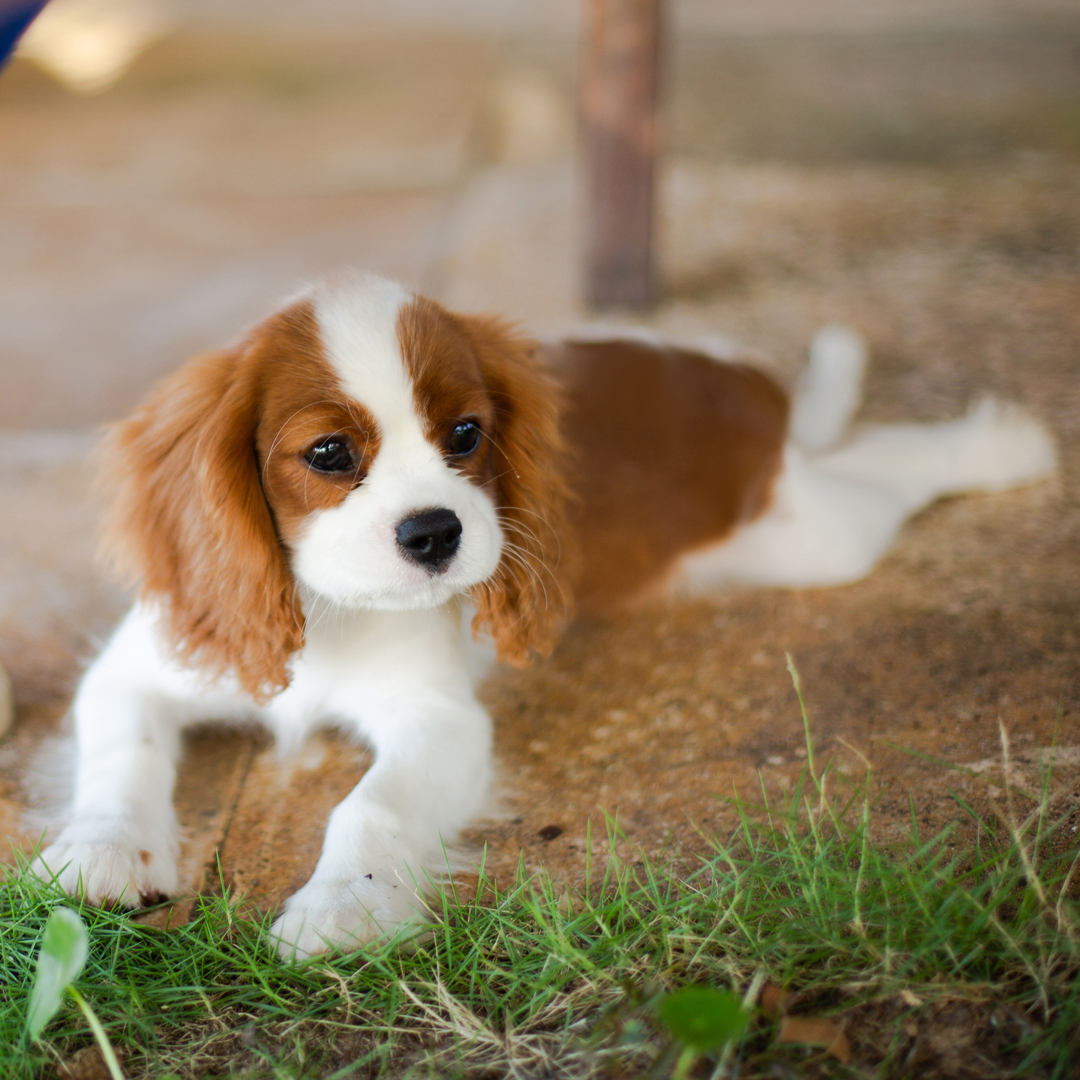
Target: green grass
column 550, row 984
column 535, row 981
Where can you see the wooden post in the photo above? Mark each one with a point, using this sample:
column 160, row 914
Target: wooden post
column 618, row 103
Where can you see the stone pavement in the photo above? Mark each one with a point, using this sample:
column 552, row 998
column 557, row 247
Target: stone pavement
column 935, row 211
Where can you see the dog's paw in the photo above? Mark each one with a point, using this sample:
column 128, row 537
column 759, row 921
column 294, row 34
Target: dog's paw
column 326, row 915
column 107, row 862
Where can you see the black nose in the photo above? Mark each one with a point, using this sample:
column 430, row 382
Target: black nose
column 430, row 537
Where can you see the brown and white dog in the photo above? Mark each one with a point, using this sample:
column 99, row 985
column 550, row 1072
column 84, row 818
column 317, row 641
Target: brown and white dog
column 318, row 515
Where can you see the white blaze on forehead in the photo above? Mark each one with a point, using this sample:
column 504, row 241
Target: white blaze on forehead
column 349, row 553
column 358, row 320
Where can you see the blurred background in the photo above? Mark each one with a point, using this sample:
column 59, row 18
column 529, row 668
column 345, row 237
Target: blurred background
column 169, row 171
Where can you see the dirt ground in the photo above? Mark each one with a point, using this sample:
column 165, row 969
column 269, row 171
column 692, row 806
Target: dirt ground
column 922, row 186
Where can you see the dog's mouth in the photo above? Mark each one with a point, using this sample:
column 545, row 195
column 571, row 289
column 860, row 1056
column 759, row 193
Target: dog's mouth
column 435, row 589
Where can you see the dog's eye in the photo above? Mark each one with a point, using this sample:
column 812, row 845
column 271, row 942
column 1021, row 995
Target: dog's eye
column 464, row 439
column 330, row 456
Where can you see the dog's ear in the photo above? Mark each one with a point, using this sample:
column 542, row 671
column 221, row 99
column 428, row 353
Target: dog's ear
column 186, row 516
column 527, row 601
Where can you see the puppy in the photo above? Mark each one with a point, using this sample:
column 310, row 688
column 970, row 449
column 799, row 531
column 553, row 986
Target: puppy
column 322, row 518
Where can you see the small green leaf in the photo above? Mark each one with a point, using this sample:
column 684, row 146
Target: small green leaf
column 703, row 1018
column 63, row 954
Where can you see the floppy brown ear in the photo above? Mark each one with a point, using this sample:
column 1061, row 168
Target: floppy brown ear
column 527, row 601
column 186, row 515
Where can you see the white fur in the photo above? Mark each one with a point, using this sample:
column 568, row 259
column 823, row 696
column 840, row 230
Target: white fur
column 349, row 554
column 830, row 388
column 388, row 656
column 834, row 515
column 397, row 680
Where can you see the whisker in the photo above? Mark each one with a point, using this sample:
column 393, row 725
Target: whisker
column 518, row 555
column 505, row 455
column 543, row 520
column 518, row 529
column 525, row 534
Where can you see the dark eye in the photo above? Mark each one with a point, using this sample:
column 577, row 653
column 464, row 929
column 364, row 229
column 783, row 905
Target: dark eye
column 464, row 439
column 331, row 456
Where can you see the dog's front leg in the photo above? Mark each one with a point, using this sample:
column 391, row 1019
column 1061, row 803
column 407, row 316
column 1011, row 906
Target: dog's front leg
column 121, row 840
column 431, row 775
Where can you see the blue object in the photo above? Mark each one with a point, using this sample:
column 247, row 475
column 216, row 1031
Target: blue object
column 15, row 17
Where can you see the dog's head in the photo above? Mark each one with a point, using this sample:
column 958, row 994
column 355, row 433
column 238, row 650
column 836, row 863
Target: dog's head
column 363, row 447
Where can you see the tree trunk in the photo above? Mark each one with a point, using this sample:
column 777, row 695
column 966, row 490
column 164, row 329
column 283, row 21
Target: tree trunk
column 618, row 102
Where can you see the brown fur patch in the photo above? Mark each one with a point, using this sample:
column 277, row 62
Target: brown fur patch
column 478, row 368
column 302, row 402
column 529, row 600
column 448, row 383
column 184, row 476
column 671, row 450
column 208, row 484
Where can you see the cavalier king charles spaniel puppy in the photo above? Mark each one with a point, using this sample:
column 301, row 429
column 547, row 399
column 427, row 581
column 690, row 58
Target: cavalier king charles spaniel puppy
column 323, row 518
